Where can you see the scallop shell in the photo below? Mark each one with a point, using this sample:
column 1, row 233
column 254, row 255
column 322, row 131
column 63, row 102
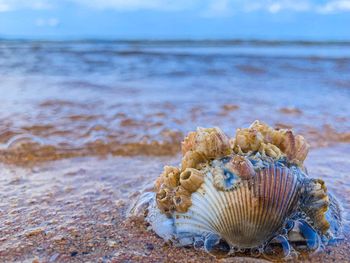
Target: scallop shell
column 247, row 194
column 246, row 216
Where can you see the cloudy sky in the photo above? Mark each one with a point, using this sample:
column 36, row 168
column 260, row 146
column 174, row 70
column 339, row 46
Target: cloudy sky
column 284, row 19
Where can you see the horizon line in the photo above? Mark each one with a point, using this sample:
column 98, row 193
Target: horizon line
column 236, row 40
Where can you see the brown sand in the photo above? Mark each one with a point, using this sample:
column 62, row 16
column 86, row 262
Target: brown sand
column 74, row 210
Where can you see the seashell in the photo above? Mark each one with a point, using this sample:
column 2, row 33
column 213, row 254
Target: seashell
column 211, row 142
column 288, row 143
column 303, row 237
column 171, row 176
column 191, row 179
column 295, row 147
column 241, row 166
column 257, row 199
column 192, row 159
column 301, row 148
column 160, row 222
column 248, row 215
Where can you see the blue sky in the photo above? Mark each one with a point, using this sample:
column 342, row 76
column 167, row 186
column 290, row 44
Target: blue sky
column 73, row 19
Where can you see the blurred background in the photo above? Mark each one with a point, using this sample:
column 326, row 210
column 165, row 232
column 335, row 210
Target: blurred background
column 121, row 77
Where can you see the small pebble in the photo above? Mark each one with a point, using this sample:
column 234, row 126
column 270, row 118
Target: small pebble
column 111, row 243
column 54, row 257
column 34, row 232
column 149, row 246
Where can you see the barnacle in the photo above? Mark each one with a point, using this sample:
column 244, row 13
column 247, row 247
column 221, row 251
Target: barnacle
column 211, row 142
column 191, row 179
column 192, row 159
column 171, row 176
column 259, row 137
column 182, row 200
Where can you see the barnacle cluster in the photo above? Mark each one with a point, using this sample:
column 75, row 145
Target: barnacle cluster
column 250, row 193
column 175, row 186
column 276, row 143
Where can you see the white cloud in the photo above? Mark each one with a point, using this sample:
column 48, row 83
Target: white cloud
column 218, row 8
column 4, row 7
column 204, row 7
column 41, row 5
column 11, row 5
column 139, row 4
column 335, row 6
column 331, row 6
column 274, row 8
column 47, row 22
column 278, row 6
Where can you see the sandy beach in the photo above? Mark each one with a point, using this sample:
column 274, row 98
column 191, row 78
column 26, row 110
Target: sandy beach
column 82, row 134
column 75, row 211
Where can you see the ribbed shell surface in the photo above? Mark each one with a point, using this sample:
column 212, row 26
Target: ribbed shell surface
column 247, row 215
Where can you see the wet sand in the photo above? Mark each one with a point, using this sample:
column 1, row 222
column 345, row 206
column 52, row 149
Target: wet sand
column 75, row 210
